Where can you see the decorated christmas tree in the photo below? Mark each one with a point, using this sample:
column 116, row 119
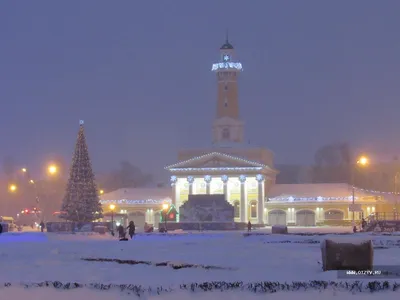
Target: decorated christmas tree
column 81, row 200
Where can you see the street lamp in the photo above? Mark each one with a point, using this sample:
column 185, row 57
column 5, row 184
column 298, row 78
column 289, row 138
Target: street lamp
column 112, row 207
column 52, row 169
column 101, row 192
column 12, row 187
column 165, row 209
column 362, row 161
column 396, row 193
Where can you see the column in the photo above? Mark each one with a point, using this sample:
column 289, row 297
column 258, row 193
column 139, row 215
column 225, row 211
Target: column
column 207, row 179
column 190, row 180
column 175, row 194
column 260, row 202
column 225, row 179
column 243, row 200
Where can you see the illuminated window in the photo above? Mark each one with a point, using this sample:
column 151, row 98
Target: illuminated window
column 334, row 215
column 237, row 209
column 253, row 209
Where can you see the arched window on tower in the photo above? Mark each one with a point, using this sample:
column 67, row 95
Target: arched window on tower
column 225, row 134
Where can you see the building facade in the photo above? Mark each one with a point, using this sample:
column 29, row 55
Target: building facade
column 243, row 182
column 319, row 204
column 244, row 174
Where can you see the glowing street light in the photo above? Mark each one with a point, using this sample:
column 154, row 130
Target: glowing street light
column 24, row 170
column 32, row 181
column 52, row 169
column 102, row 192
column 12, row 187
column 363, row 161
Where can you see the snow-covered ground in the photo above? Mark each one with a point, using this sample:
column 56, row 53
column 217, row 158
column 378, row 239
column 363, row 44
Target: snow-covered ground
column 34, row 257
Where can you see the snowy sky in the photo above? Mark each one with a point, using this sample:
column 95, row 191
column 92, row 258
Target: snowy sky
column 139, row 74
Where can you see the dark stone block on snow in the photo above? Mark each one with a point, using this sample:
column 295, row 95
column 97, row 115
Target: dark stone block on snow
column 279, row 229
column 347, row 255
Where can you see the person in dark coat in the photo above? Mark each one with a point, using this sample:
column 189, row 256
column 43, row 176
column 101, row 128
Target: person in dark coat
column 41, row 226
column 363, row 224
column 131, row 229
column 1, row 228
column 121, row 232
column 249, row 226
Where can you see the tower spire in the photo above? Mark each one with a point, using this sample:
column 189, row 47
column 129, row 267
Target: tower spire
column 227, row 36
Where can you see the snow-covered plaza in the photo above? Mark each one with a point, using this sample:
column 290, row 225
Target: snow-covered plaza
column 153, row 261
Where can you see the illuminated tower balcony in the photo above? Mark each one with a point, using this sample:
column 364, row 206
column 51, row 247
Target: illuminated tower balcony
column 225, row 66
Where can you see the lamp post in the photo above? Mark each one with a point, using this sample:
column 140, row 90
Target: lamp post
column 362, row 161
column 112, row 207
column 396, row 181
column 165, row 209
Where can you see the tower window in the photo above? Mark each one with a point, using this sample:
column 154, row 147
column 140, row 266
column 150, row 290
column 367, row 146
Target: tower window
column 225, row 134
column 226, row 87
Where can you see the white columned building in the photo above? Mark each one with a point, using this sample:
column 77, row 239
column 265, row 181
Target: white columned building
column 220, row 175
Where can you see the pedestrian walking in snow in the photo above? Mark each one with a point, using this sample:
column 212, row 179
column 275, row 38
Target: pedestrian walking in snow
column 121, row 232
column 363, row 224
column 42, row 226
column 131, row 229
column 249, row 226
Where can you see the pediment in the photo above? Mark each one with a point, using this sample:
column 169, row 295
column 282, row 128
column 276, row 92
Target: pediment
column 216, row 160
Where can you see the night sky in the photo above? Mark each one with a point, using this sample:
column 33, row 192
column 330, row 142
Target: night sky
column 139, row 75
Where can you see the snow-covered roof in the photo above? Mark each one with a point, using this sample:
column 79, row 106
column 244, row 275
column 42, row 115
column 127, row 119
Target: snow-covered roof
column 315, row 190
column 158, row 194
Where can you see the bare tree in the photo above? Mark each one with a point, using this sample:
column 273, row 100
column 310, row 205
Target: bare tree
column 126, row 176
column 332, row 164
column 9, row 166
